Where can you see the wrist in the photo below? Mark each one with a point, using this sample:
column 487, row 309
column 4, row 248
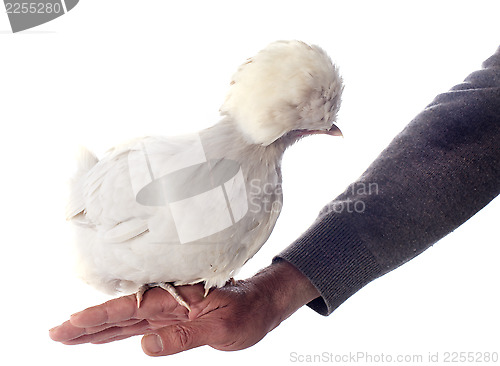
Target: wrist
column 286, row 289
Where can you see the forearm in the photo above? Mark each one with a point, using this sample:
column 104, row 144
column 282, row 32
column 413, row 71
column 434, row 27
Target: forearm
column 436, row 174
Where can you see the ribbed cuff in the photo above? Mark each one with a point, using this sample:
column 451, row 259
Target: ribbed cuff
column 334, row 260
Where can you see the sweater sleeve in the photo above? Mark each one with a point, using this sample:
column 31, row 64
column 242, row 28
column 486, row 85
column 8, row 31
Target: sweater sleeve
column 436, row 174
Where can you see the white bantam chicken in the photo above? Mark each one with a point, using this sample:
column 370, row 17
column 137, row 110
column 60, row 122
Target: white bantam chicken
column 167, row 211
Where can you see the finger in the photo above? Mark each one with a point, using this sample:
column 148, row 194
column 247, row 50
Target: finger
column 127, row 324
column 65, row 332
column 83, row 323
column 118, row 338
column 157, row 304
column 180, row 337
column 113, row 311
column 158, row 307
column 100, row 337
column 109, row 334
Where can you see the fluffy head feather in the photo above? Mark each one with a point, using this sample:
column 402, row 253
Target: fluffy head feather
column 287, row 86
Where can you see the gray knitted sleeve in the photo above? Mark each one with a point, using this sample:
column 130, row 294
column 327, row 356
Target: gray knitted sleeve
column 436, row 174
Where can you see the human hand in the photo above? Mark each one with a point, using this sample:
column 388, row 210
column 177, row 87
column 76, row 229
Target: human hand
column 231, row 318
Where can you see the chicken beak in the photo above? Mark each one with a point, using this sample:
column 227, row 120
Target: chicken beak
column 333, row 131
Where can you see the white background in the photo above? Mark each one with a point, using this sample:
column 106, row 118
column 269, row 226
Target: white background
column 111, row 70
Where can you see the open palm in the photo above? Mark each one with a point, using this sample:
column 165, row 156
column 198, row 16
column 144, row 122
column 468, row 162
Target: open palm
column 230, row 318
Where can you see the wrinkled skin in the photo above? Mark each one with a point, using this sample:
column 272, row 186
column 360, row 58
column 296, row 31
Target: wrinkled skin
column 231, row 318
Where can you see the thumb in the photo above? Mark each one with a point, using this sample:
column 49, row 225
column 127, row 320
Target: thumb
column 177, row 338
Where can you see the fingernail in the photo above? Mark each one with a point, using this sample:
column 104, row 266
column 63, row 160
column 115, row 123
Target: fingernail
column 152, row 343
